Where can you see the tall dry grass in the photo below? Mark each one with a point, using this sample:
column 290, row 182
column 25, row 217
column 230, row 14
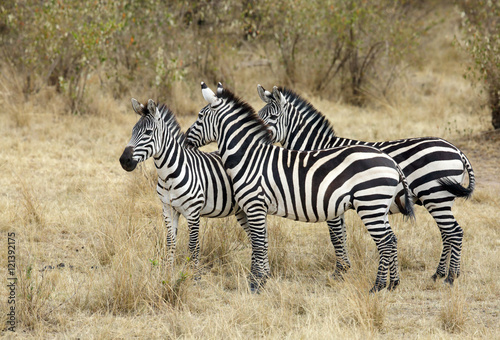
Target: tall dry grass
column 91, row 240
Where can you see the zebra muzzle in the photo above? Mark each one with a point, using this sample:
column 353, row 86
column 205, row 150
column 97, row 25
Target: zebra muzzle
column 126, row 160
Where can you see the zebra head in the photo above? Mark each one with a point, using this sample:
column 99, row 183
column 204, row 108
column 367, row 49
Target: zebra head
column 203, row 131
column 144, row 142
column 273, row 113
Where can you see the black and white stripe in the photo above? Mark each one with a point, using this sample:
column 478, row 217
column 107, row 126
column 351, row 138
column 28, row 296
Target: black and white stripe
column 433, row 167
column 191, row 183
column 311, row 186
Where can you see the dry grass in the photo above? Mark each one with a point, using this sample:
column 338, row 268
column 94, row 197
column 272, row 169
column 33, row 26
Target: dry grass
column 69, row 202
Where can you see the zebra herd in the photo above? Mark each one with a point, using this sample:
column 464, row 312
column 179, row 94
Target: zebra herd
column 316, row 176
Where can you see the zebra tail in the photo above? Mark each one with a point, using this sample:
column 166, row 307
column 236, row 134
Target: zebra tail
column 455, row 188
column 407, row 210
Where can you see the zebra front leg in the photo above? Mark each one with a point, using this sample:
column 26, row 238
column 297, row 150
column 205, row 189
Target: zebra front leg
column 194, row 244
column 260, row 258
column 242, row 219
column 337, row 230
column 171, row 218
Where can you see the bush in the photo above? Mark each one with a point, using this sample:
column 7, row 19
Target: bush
column 359, row 43
column 58, row 43
column 355, row 45
column 481, row 25
column 66, row 43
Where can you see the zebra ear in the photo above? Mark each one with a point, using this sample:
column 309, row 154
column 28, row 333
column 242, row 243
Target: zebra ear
column 138, row 107
column 151, row 107
column 209, row 95
column 278, row 96
column 263, row 94
column 157, row 113
column 220, row 89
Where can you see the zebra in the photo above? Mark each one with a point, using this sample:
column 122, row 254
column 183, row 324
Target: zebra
column 191, row 183
column 433, row 166
column 310, row 186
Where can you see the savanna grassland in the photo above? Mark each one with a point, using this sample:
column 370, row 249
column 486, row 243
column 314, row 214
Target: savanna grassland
column 90, row 239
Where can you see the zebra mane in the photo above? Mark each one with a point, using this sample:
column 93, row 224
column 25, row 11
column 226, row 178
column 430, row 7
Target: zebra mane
column 168, row 117
column 306, row 109
column 264, row 134
column 171, row 123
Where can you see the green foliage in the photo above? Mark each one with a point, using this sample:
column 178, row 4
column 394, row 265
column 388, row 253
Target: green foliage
column 481, row 25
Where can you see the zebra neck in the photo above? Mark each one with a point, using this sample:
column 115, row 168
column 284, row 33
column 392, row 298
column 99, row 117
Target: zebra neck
column 239, row 137
column 170, row 159
column 310, row 136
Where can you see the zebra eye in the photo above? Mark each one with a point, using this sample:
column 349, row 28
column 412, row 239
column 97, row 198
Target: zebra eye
column 148, row 132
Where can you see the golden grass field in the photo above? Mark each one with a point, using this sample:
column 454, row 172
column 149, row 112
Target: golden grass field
column 66, row 197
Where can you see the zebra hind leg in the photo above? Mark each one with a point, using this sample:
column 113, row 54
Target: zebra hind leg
column 394, row 265
column 388, row 258
column 336, row 228
column 452, row 236
column 455, row 254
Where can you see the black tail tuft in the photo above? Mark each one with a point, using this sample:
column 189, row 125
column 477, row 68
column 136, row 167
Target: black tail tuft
column 455, row 188
column 408, row 208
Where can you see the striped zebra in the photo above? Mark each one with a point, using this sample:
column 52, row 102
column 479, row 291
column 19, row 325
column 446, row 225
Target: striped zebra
column 433, row 167
column 191, row 183
column 310, row 186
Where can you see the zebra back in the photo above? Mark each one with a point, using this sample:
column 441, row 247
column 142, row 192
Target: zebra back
column 298, row 125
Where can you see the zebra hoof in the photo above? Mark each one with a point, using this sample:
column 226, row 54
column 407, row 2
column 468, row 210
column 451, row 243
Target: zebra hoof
column 338, row 275
column 255, row 288
column 377, row 287
column 393, row 285
column 449, row 280
column 257, row 282
column 437, row 276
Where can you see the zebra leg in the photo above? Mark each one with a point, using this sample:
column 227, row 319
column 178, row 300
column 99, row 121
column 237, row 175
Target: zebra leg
column 242, row 219
column 452, row 236
column 394, row 265
column 194, row 244
column 385, row 249
column 385, row 240
column 171, row 217
column 260, row 259
column 337, row 230
column 456, row 253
